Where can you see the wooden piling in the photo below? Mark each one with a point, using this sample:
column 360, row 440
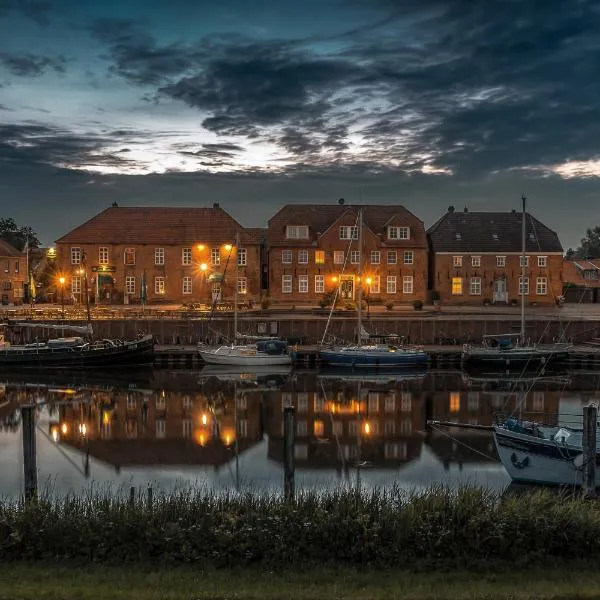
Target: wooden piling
column 131, row 497
column 150, row 494
column 288, row 452
column 29, row 452
column 590, row 416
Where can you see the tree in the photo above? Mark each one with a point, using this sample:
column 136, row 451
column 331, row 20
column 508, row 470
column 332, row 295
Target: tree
column 590, row 245
column 17, row 236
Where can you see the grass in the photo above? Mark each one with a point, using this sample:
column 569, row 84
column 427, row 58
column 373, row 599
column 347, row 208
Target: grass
column 41, row 582
column 441, row 528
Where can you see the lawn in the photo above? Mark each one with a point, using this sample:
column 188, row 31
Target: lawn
column 20, row 581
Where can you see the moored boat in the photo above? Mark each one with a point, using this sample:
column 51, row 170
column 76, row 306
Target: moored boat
column 260, row 353
column 378, row 356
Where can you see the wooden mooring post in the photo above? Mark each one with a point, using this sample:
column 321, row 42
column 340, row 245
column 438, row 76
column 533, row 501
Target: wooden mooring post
column 288, row 452
column 29, row 452
column 590, row 416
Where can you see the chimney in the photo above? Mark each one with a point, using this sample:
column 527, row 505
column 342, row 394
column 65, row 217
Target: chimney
column 466, row 209
column 115, row 205
column 451, row 209
column 215, row 205
column 341, row 201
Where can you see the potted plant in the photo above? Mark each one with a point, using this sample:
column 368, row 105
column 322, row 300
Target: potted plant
column 389, row 305
column 486, row 302
column 418, row 304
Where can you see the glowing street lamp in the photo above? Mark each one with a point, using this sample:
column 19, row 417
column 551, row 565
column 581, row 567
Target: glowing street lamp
column 62, row 280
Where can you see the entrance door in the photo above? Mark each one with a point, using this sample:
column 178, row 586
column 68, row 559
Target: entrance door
column 347, row 288
column 500, row 290
column 216, row 293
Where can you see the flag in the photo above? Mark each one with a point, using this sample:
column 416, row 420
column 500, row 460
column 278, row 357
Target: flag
column 144, row 289
column 31, row 287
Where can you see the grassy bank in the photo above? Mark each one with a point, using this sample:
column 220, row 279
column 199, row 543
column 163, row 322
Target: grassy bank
column 470, row 528
column 39, row 582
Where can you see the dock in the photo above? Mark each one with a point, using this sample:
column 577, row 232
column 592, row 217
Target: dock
column 307, row 357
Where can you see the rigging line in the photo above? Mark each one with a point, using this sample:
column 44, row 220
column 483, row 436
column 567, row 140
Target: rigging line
column 60, row 450
column 335, row 435
column 492, row 458
column 339, row 286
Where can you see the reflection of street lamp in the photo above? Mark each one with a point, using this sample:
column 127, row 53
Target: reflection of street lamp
column 368, row 281
column 62, row 280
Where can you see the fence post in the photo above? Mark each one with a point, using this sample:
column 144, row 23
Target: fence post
column 288, row 452
column 590, row 415
column 29, row 452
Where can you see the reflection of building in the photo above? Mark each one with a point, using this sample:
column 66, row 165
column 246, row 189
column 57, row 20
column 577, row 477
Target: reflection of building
column 134, row 428
column 339, row 422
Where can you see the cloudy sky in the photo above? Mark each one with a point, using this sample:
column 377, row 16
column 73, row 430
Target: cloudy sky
column 256, row 103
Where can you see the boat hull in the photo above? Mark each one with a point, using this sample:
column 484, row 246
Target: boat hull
column 136, row 352
column 540, row 462
column 233, row 358
column 513, row 357
column 358, row 360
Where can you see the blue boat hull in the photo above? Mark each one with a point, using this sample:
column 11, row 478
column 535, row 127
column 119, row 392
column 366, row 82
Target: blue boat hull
column 375, row 360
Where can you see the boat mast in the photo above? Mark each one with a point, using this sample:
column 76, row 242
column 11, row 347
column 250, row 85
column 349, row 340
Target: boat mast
column 87, row 296
column 523, row 268
column 235, row 288
column 360, row 262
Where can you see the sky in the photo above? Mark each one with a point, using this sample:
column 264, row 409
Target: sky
column 259, row 103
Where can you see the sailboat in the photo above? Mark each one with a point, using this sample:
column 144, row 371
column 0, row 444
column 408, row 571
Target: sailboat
column 512, row 349
column 374, row 355
column 260, row 352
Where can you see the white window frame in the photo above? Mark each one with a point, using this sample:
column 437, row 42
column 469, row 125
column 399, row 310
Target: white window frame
column 215, row 257
column 523, row 286
column 475, row 286
column 287, row 284
column 348, row 232
column 375, row 287
column 409, row 257
column 286, row 257
column 186, row 257
column 355, row 257
column 526, row 261
column 75, row 255
column 76, row 284
column 398, row 233
column 391, row 284
column 103, row 255
column 457, row 261
column 159, row 286
column 130, row 285
column 319, row 284
column 338, row 257
column 302, row 257
column 375, row 257
column 476, row 261
column 392, row 257
column 186, row 288
column 408, row 284
column 242, row 285
column 541, row 286
column 159, row 256
column 296, row 232
column 542, row 261
column 242, row 257
column 303, row 284
column 501, row 261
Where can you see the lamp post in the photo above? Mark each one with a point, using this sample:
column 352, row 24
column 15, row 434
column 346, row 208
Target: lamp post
column 62, row 280
column 368, row 281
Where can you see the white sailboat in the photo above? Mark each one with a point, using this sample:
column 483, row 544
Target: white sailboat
column 262, row 352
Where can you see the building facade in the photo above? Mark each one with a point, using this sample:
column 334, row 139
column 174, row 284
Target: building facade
column 475, row 258
column 13, row 274
column 314, row 250
column 179, row 255
column 581, row 280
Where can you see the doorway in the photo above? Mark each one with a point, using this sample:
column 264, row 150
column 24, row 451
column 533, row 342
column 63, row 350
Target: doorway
column 500, row 294
column 347, row 287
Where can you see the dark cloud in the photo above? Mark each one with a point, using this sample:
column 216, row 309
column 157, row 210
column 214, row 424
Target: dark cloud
column 38, row 11
column 31, row 65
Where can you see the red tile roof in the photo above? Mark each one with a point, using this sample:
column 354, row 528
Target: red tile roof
column 573, row 271
column 320, row 217
column 7, row 249
column 154, row 225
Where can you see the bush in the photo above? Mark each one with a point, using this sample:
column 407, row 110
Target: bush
column 418, row 304
column 350, row 305
column 487, row 302
column 389, row 305
column 436, row 528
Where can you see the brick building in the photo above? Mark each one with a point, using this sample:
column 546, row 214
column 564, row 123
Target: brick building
column 314, row 249
column 180, row 254
column 475, row 257
column 581, row 280
column 13, row 274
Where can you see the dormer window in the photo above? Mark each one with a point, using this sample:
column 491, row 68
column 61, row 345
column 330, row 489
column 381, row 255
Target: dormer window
column 296, row 232
column 398, row 233
column 348, row 232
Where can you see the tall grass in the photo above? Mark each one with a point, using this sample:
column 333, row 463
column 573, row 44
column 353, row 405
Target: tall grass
column 440, row 527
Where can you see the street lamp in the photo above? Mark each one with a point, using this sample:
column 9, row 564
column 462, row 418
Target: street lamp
column 62, row 280
column 368, row 281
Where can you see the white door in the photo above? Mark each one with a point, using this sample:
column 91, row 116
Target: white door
column 500, row 290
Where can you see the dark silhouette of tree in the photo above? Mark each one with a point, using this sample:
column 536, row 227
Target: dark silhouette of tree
column 590, row 245
column 17, row 236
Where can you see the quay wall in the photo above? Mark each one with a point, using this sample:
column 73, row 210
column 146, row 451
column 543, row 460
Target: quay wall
column 429, row 330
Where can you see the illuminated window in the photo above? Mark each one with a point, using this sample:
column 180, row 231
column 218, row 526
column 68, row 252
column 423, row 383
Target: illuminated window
column 541, row 286
column 475, row 288
column 454, row 402
column 391, row 284
column 457, row 261
column 303, row 284
column 319, row 284
column 392, row 257
column 286, row 284
column 103, row 255
column 242, row 285
column 215, row 256
column 355, row 257
column 375, row 286
column 375, row 257
column 129, row 256
column 319, row 257
column 318, row 428
column 129, row 285
column 302, row 257
column 187, row 285
column 286, row 257
column 159, row 285
column 338, row 257
column 186, row 256
column 500, row 261
column 542, row 261
column 457, row 286
column 242, row 257
column 407, row 284
column 75, row 256
column 159, row 256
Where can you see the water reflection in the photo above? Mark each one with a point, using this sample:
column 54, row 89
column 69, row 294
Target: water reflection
column 222, row 427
